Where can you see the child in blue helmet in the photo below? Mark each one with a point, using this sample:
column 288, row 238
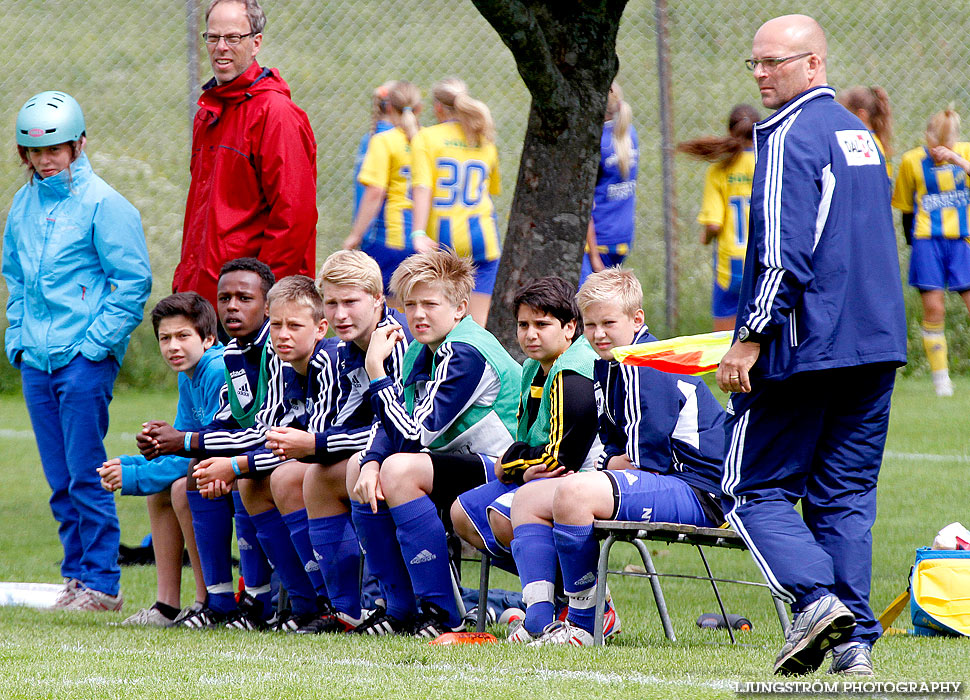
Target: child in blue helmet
column 77, row 273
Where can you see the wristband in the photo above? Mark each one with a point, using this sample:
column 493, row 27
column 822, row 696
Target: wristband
column 188, row 442
column 418, row 234
column 235, row 466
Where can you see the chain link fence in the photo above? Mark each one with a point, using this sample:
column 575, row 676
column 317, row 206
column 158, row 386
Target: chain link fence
column 131, row 64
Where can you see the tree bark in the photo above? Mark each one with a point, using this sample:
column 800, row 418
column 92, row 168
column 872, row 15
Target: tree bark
column 565, row 51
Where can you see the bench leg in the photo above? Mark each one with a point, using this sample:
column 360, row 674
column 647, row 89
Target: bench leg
column 717, row 594
column 782, row 614
column 483, row 592
column 658, row 594
column 602, row 571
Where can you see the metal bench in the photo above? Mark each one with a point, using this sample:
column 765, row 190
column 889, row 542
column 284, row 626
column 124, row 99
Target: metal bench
column 636, row 533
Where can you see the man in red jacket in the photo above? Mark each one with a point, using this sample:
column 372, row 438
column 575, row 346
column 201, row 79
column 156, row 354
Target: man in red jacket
column 253, row 167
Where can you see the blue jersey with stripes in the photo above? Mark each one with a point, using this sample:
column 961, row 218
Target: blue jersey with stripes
column 243, row 357
column 614, row 199
column 665, row 423
column 821, row 271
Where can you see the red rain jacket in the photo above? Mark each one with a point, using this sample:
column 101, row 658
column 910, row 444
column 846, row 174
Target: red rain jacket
column 253, row 189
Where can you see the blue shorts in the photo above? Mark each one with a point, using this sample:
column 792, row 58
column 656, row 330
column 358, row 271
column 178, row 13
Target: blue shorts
column 724, row 302
column 387, row 258
column 485, row 271
column 612, row 256
column 477, row 503
column 648, row 497
column 940, row 263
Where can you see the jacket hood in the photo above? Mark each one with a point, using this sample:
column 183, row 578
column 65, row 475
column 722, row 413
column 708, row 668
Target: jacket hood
column 208, row 357
column 254, row 81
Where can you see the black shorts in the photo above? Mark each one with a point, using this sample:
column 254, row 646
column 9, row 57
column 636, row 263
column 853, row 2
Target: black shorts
column 456, row 473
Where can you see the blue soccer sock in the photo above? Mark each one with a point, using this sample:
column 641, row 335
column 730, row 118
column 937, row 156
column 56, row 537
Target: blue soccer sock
column 334, row 539
column 424, row 546
column 376, row 533
column 296, row 523
column 253, row 564
column 534, row 550
column 275, row 539
column 578, row 555
column 212, row 522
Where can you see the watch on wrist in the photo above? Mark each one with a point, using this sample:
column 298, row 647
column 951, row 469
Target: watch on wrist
column 746, row 335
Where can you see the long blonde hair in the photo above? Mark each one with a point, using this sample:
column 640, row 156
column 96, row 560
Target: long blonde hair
column 405, row 99
column 473, row 115
column 618, row 110
column 875, row 102
column 943, row 128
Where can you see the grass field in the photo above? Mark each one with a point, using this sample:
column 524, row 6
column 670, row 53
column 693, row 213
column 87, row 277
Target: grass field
column 64, row 655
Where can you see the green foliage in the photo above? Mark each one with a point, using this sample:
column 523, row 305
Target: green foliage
column 59, row 655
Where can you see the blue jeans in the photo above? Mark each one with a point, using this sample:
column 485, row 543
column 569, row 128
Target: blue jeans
column 69, row 413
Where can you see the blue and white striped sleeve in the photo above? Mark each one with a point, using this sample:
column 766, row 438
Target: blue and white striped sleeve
column 462, row 376
column 651, row 408
column 792, row 205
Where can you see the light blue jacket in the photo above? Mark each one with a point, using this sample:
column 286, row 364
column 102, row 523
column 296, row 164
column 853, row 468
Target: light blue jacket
column 198, row 403
column 76, row 267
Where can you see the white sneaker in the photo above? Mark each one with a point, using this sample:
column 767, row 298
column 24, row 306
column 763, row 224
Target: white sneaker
column 942, row 383
column 148, row 617
column 518, row 633
column 90, row 600
column 72, row 587
column 562, row 632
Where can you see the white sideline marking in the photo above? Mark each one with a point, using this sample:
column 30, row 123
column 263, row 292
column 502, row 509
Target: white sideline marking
column 467, row 674
column 889, row 454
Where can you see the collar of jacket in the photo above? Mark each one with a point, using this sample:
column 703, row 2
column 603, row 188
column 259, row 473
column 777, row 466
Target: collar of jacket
column 793, row 105
column 66, row 181
column 215, row 97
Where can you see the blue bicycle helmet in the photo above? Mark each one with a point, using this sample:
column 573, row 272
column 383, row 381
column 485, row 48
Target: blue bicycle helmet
column 49, row 118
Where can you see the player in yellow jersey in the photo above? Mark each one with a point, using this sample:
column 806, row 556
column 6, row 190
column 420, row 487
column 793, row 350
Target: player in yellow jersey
column 455, row 173
column 724, row 211
column 871, row 105
column 932, row 194
column 386, row 177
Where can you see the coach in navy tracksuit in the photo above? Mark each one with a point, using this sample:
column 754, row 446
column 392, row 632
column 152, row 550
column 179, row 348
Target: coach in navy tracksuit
column 820, row 333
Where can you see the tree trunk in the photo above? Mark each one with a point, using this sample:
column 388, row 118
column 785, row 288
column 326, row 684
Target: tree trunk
column 565, row 52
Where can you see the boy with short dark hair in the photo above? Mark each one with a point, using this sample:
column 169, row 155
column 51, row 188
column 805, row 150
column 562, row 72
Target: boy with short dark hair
column 556, row 437
column 663, row 441
column 241, row 299
column 440, row 432
column 185, row 326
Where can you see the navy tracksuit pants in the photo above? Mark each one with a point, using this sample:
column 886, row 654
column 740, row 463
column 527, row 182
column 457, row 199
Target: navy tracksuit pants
column 817, row 437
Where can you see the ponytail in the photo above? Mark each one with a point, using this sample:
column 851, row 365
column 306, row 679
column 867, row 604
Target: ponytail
column 943, row 128
column 724, row 149
column 618, row 110
column 405, row 99
column 379, row 105
column 473, row 115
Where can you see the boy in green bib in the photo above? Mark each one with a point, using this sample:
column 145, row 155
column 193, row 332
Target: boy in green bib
column 556, row 432
column 441, row 430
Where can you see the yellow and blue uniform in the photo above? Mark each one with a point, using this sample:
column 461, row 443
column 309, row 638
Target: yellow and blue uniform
column 727, row 196
column 882, row 152
column 938, row 197
column 387, row 165
column 462, row 179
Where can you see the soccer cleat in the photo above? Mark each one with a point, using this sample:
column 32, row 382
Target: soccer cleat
column 563, row 632
column 148, row 617
column 379, row 624
column 90, row 600
column 186, row 611
column 292, row 622
column 855, row 659
column 519, row 634
column 71, row 589
column 203, row 618
column 823, row 624
column 942, row 383
column 432, row 622
column 337, row 622
column 471, row 617
column 243, row 619
column 611, row 621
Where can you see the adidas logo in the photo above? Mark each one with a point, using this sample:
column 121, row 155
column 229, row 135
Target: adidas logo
column 586, row 580
column 730, row 406
column 244, row 545
column 423, row 557
column 311, row 566
column 631, row 477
